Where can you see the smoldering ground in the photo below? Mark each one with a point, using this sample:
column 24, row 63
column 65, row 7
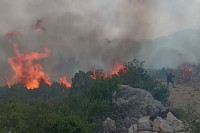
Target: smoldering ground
column 89, row 34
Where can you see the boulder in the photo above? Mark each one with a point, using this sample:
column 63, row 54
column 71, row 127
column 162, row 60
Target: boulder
column 137, row 102
column 162, row 125
column 120, row 101
column 136, row 111
column 156, row 124
column 109, row 125
column 144, row 124
column 129, row 121
column 133, row 129
column 179, row 126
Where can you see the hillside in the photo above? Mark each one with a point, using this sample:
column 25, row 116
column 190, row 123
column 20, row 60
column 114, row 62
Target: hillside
column 164, row 51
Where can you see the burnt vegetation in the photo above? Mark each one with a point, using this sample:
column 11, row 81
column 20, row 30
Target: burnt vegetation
column 80, row 109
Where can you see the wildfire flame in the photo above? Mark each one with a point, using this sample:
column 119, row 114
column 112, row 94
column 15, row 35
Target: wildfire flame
column 186, row 71
column 115, row 71
column 94, row 75
column 117, row 67
column 186, row 74
column 25, row 72
column 63, row 82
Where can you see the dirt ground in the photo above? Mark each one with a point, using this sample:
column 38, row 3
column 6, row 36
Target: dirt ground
column 184, row 94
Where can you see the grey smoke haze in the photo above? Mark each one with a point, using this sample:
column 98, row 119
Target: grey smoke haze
column 89, row 34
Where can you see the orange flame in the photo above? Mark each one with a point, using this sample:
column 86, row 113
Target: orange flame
column 117, row 67
column 9, row 84
column 94, row 75
column 186, row 71
column 186, row 74
column 29, row 74
column 115, row 71
column 63, row 82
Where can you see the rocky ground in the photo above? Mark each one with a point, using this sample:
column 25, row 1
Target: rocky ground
column 137, row 112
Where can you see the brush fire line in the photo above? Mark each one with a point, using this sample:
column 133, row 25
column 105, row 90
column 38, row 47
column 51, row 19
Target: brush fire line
column 31, row 74
column 186, row 73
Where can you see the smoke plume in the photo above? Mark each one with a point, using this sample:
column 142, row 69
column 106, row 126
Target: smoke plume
column 89, row 34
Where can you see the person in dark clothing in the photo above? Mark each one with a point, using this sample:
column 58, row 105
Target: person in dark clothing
column 170, row 77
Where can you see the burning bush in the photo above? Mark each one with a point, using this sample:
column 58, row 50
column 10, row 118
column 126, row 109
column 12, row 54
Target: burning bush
column 29, row 74
column 186, row 73
column 63, row 82
column 25, row 72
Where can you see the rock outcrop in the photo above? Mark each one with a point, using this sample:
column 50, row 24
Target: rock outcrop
column 138, row 101
column 133, row 113
column 109, row 126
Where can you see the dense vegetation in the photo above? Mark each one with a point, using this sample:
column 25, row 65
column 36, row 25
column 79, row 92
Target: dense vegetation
column 80, row 109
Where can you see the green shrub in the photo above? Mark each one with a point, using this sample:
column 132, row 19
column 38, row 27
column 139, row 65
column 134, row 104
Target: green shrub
column 161, row 93
column 191, row 118
column 136, row 76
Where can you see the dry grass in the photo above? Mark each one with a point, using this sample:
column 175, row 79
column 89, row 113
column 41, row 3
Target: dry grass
column 186, row 94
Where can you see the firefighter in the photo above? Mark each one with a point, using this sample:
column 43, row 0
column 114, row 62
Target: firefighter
column 170, row 77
